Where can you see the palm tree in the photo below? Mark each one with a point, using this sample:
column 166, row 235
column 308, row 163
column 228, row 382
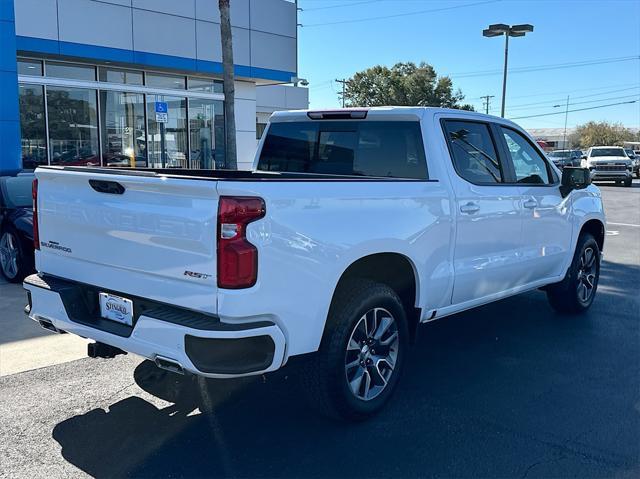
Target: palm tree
column 231, row 160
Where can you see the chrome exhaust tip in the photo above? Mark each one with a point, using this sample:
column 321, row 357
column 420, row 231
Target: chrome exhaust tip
column 169, row 365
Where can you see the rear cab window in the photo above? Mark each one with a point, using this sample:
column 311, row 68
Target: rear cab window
column 391, row 149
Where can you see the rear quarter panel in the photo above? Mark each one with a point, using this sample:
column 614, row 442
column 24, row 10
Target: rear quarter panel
column 313, row 231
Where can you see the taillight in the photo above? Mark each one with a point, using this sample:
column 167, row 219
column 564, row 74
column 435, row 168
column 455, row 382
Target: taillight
column 237, row 258
column 36, row 232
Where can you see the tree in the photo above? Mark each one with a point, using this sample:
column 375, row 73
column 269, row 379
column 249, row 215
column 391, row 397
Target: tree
column 231, row 160
column 405, row 84
column 604, row 133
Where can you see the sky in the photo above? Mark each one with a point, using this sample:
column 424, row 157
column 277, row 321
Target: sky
column 588, row 50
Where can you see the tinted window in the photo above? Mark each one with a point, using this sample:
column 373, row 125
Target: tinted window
column 607, row 152
column 116, row 75
column 474, row 154
column 29, row 67
column 362, row 148
column 528, row 164
column 157, row 80
column 71, row 71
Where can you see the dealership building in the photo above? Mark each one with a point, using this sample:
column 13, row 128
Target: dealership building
column 138, row 83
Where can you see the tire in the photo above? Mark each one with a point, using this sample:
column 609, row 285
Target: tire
column 638, row 173
column 628, row 182
column 14, row 264
column 573, row 295
column 355, row 383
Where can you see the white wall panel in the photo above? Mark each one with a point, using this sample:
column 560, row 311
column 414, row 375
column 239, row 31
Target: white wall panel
column 36, row 18
column 245, row 115
column 208, row 10
column 184, row 8
column 246, row 90
column 80, row 22
column 164, row 34
column 209, row 45
column 246, row 145
column 273, row 51
column 274, row 16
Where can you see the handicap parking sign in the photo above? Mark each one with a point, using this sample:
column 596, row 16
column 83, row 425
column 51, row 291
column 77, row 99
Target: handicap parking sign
column 162, row 109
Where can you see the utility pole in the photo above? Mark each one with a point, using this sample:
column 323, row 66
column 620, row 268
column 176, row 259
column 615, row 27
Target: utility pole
column 344, row 82
column 487, row 100
column 566, row 115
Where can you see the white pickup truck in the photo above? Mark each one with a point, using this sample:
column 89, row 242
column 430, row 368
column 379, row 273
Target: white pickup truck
column 354, row 227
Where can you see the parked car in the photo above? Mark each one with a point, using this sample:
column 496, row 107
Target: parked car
column 635, row 160
column 562, row 158
column 354, row 227
column 609, row 163
column 16, row 227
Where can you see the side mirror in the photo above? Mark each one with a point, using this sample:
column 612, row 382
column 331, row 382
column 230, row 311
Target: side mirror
column 583, row 157
column 574, row 179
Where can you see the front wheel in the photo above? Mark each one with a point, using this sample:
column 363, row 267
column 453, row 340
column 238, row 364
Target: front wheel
column 628, row 182
column 362, row 352
column 576, row 292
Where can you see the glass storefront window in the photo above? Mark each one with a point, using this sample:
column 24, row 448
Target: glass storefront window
column 117, row 75
column 157, row 80
column 123, row 130
column 204, row 85
column 206, row 130
column 73, row 126
column 29, row 67
column 32, row 126
column 167, row 142
column 71, row 71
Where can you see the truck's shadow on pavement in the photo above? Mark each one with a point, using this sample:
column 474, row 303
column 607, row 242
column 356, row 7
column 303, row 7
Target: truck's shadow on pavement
column 504, row 390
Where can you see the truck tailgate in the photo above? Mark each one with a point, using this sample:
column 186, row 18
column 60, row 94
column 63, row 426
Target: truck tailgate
column 152, row 236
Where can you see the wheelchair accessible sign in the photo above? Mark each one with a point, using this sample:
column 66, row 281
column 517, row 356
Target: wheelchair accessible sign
column 162, row 112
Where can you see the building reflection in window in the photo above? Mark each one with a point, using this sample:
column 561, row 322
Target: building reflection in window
column 167, row 142
column 123, row 131
column 32, row 126
column 206, row 130
column 73, row 126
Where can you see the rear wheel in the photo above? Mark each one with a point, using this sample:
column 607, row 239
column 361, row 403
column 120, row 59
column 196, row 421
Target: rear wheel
column 13, row 263
column 576, row 292
column 362, row 353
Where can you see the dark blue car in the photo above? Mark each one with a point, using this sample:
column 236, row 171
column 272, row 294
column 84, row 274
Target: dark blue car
column 16, row 227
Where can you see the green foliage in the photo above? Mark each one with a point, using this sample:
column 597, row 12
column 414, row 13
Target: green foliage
column 404, row 84
column 604, row 133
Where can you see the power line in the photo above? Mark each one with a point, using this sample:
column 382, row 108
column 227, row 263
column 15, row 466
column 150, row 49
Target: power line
column 350, row 4
column 543, row 102
column 575, row 102
column 386, row 17
column 553, row 66
column 571, row 111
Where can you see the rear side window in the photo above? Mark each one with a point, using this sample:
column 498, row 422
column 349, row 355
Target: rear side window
column 473, row 152
column 361, row 148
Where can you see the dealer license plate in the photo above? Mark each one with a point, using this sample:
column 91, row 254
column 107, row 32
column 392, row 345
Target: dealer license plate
column 116, row 308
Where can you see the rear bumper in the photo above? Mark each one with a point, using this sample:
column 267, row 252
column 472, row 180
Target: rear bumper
column 201, row 344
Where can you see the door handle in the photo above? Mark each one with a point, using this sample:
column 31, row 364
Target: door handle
column 470, row 208
column 530, row 204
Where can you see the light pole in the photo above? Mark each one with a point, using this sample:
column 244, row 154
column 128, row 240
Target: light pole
column 566, row 115
column 508, row 31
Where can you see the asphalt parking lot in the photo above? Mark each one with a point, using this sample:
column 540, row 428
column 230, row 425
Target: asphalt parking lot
column 507, row 390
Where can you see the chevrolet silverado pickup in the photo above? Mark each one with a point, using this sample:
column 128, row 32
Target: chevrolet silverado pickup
column 353, row 227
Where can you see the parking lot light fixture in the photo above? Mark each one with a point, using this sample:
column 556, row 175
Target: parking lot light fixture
column 497, row 30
